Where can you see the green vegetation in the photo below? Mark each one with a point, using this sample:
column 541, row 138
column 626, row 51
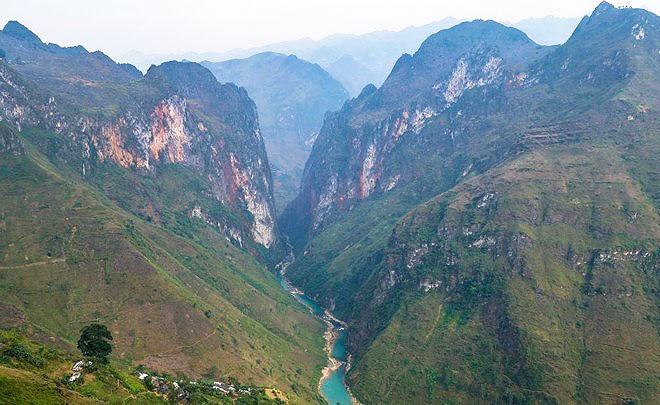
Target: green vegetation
column 32, row 373
column 93, row 342
column 90, row 261
column 153, row 238
column 517, row 262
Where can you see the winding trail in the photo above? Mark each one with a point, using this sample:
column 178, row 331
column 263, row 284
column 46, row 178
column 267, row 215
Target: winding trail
column 33, row 264
column 435, row 324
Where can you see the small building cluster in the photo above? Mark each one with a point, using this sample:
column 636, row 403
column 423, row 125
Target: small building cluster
column 161, row 386
column 77, row 369
column 227, row 389
column 181, row 389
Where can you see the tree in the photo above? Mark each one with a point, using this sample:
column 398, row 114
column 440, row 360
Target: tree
column 94, row 341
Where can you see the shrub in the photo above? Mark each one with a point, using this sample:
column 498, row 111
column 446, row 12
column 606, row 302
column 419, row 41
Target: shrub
column 22, row 353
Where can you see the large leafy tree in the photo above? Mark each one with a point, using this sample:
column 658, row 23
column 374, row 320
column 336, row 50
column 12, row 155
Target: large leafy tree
column 94, row 341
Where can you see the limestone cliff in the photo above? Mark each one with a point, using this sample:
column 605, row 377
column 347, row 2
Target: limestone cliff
column 176, row 114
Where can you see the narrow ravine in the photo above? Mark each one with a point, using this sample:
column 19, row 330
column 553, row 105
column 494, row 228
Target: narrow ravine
column 332, row 384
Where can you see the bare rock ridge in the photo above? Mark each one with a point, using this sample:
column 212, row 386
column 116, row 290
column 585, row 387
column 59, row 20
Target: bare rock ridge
column 20, row 32
column 419, row 88
column 292, row 97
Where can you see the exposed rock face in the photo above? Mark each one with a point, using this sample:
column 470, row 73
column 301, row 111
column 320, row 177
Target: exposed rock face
column 483, row 207
column 353, row 155
column 9, row 142
column 168, row 133
column 16, row 105
column 178, row 113
column 292, row 97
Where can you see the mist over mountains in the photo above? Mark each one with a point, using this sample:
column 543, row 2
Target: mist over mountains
column 357, row 60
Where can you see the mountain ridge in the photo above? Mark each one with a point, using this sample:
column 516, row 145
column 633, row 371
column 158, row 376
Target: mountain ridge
column 144, row 203
column 499, row 233
column 351, row 58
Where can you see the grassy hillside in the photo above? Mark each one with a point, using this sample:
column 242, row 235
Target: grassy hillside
column 40, row 374
column 518, row 261
column 173, row 301
column 533, row 281
column 545, row 290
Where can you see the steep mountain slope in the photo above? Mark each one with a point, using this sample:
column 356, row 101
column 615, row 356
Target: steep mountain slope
column 292, row 97
column 83, row 78
column 359, row 152
column 177, row 113
column 147, row 217
column 351, row 73
column 487, row 221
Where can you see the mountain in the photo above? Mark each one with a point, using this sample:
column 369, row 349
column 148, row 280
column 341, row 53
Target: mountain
column 374, row 52
column 487, row 220
column 175, row 114
column 45, row 63
column 351, row 73
column 357, row 60
column 368, row 128
column 144, row 203
column 292, row 97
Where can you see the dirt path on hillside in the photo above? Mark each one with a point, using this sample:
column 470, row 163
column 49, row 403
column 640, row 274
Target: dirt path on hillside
column 435, row 324
column 34, row 264
column 176, row 349
column 426, row 339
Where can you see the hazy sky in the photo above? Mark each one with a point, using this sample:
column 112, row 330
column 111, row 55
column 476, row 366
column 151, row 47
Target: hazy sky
column 169, row 26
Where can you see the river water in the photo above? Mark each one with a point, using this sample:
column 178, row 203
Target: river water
column 333, row 388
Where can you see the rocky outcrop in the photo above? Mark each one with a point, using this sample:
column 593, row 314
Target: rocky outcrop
column 176, row 114
column 9, row 142
column 353, row 155
column 292, row 97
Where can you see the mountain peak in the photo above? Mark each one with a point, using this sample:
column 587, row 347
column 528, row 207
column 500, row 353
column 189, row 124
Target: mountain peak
column 470, row 32
column 602, row 7
column 610, row 23
column 182, row 74
column 20, row 31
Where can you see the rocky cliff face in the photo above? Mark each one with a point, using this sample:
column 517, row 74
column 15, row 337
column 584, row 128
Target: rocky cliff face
column 499, row 233
column 9, row 142
column 354, row 153
column 292, row 97
column 177, row 114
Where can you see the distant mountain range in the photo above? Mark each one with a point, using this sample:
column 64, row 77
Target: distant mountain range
column 357, row 60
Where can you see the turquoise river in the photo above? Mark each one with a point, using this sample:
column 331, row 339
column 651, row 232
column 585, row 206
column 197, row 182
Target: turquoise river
column 333, row 388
